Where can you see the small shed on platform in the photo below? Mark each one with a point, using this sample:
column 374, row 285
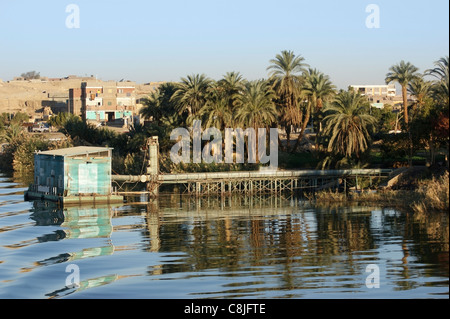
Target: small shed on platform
column 76, row 174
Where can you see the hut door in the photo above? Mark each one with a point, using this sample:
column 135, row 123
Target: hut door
column 87, row 175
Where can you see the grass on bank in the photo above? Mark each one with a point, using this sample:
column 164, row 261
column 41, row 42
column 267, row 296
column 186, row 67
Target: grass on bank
column 431, row 195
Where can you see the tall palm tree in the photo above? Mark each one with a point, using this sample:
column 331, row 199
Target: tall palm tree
column 441, row 68
column 286, row 74
column 421, row 90
column 348, row 124
column 191, row 94
column 160, row 107
column 441, row 85
column 402, row 73
column 13, row 133
column 217, row 111
column 317, row 89
column 231, row 85
column 152, row 106
column 255, row 107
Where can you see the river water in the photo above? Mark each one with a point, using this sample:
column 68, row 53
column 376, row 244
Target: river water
column 239, row 247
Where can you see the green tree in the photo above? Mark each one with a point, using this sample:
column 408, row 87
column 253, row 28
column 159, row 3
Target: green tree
column 402, row 73
column 421, row 91
column 160, row 107
column 440, row 87
column 231, row 85
column 31, row 75
column 191, row 94
column 255, row 107
column 348, row 124
column 217, row 111
column 152, row 108
column 286, row 72
column 12, row 133
column 317, row 89
column 61, row 119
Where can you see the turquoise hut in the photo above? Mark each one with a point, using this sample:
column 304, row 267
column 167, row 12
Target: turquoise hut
column 73, row 175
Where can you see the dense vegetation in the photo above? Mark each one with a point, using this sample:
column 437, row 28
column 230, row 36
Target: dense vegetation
column 322, row 127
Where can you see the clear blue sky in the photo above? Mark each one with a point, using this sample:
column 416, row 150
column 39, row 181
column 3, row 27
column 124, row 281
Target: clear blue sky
column 151, row 40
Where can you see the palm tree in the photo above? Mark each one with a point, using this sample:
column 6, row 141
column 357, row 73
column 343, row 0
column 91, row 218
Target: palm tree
column 441, row 85
column 255, row 107
column 152, row 106
column 160, row 107
column 348, row 124
column 217, row 111
column 441, row 69
column 191, row 94
column 402, row 73
column 317, row 88
column 286, row 74
column 420, row 89
column 231, row 85
column 12, row 133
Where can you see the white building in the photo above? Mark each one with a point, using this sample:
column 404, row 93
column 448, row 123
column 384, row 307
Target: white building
column 377, row 91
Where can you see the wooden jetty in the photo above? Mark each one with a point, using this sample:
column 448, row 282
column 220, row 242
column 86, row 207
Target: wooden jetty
column 254, row 182
column 263, row 181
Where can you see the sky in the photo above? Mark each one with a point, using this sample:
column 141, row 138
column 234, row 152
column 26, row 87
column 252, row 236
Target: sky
column 149, row 41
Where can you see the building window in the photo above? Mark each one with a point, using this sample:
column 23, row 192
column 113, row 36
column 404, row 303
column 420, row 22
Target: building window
column 109, row 103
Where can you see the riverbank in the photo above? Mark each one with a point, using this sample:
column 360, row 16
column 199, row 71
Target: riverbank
column 427, row 195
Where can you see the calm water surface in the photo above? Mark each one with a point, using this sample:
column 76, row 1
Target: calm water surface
column 272, row 247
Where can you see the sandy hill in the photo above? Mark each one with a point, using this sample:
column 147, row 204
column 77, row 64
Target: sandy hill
column 33, row 95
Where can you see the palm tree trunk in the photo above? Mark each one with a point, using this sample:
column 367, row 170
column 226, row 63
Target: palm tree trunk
column 283, row 148
column 303, row 128
column 405, row 104
column 288, row 136
column 405, row 115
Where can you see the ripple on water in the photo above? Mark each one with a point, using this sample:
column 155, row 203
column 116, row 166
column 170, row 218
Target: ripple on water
column 203, row 249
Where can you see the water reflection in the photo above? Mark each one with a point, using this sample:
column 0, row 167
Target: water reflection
column 78, row 222
column 223, row 247
column 305, row 247
column 75, row 223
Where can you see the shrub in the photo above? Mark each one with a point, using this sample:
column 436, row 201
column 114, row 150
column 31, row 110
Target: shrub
column 433, row 195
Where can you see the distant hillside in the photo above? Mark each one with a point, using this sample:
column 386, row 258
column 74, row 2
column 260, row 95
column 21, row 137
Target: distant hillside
column 32, row 96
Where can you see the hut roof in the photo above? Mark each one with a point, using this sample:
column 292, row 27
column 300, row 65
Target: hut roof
column 76, row 151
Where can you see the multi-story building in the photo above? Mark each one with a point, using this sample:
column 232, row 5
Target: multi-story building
column 103, row 101
column 376, row 91
column 378, row 95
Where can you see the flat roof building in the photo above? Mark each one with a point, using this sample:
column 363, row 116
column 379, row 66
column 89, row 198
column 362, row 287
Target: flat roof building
column 73, row 175
column 376, row 90
column 378, row 95
column 103, row 101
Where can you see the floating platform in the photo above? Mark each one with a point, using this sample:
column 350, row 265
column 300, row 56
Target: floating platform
column 73, row 200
